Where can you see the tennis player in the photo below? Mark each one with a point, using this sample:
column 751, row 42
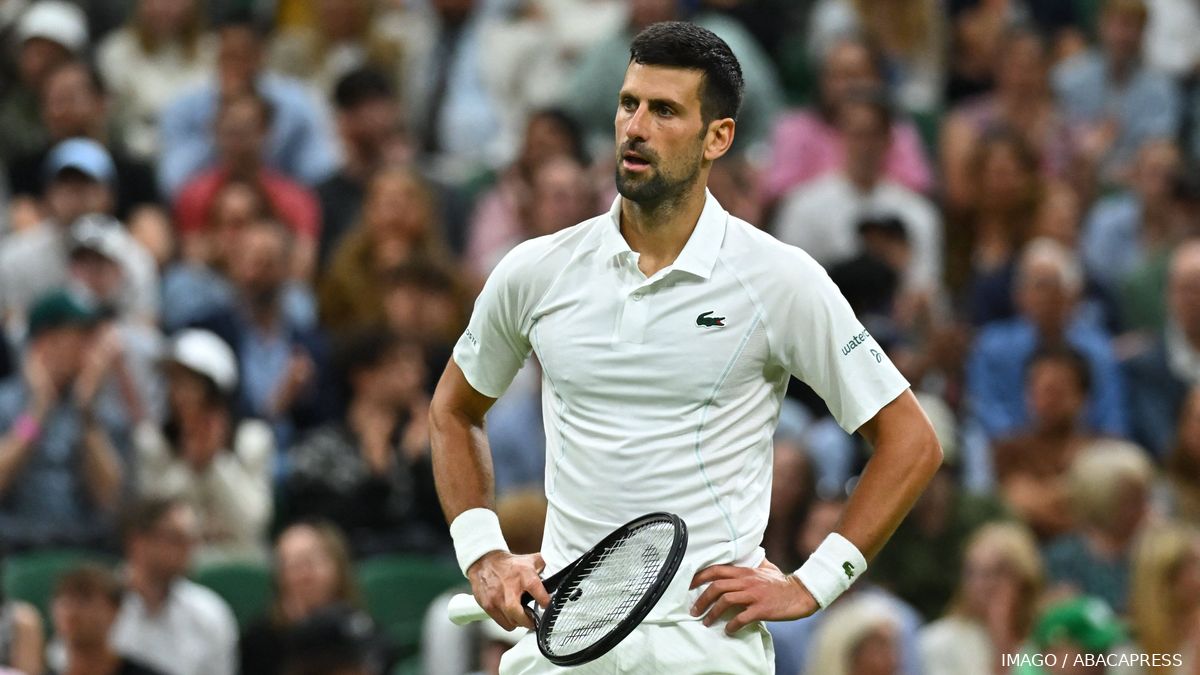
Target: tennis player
column 666, row 330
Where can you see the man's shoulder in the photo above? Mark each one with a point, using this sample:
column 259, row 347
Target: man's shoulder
column 202, row 602
column 769, row 265
column 545, row 256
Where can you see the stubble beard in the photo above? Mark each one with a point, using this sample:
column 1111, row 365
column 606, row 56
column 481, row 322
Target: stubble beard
column 656, row 190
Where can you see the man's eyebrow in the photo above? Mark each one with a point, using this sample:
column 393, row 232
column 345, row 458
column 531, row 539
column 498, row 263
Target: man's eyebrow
column 654, row 101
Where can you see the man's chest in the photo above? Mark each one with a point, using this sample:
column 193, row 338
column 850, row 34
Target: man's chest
column 680, row 339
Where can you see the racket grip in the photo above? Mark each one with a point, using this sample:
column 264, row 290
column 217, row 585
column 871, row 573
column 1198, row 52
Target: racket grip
column 463, row 609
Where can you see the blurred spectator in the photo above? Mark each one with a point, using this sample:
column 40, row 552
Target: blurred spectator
column 501, row 214
column 821, row 216
column 425, row 301
column 1117, row 102
column 346, row 35
column 162, row 52
column 167, row 621
column 796, row 641
column 589, row 94
column 243, row 125
column 312, row 572
column 984, row 237
column 1032, row 465
column 22, row 642
column 370, row 124
column 282, row 361
column 1047, row 287
column 992, row 613
column 516, row 436
column 65, row 443
column 47, row 34
column 1109, row 496
column 1168, row 45
column 95, row 275
column 1160, row 375
column 793, row 489
column 84, row 607
column 301, row 142
column 922, row 560
column 80, row 176
column 335, row 641
column 204, row 456
column 1164, row 594
column 451, row 98
column 807, row 143
column 1070, row 630
column 736, row 184
column 1124, row 230
column 1183, row 463
column 74, row 103
column 371, row 473
column 398, row 223
column 1021, row 103
column 859, row 637
column 910, row 34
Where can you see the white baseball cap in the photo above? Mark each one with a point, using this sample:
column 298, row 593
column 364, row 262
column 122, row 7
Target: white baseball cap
column 203, row 352
column 60, row 22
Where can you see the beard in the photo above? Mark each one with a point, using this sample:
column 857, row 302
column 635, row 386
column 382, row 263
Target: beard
column 656, row 188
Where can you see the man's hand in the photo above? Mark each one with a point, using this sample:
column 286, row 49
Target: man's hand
column 498, row 580
column 761, row 594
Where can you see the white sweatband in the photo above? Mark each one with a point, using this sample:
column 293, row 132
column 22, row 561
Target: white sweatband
column 476, row 532
column 831, row 569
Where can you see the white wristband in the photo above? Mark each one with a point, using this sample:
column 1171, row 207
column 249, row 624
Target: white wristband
column 476, row 532
column 831, row 569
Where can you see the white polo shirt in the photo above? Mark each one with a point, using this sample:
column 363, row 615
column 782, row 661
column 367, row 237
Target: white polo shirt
column 662, row 393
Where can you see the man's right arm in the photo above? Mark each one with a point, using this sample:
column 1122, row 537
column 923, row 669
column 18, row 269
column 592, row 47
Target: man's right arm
column 462, row 470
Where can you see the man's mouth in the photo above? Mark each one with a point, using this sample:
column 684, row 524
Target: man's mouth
column 634, row 162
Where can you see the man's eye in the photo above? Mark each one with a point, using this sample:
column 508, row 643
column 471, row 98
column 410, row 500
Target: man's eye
column 629, row 104
column 665, row 111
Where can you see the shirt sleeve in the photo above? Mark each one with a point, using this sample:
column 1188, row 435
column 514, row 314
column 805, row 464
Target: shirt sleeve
column 816, row 337
column 496, row 342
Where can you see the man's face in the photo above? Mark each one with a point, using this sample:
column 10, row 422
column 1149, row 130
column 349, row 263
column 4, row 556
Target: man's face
column 866, row 139
column 165, row 551
column 1022, row 67
column 83, row 620
column 239, row 58
column 37, row 57
column 62, row 350
column 660, row 134
column 1043, row 298
column 99, row 274
column 1121, row 34
column 258, row 265
column 241, row 133
column 847, row 68
column 1054, row 396
column 70, row 106
column 369, row 125
column 72, row 194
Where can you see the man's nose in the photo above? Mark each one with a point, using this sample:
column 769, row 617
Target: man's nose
column 635, row 125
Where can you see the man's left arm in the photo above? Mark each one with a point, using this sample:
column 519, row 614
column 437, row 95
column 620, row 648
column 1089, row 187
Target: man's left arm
column 907, row 454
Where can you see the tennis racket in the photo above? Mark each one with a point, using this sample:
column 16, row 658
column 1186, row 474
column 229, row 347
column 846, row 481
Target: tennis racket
column 600, row 598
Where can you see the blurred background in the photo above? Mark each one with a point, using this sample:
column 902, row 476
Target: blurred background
column 239, row 238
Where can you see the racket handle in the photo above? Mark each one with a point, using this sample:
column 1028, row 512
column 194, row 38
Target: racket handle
column 463, row 609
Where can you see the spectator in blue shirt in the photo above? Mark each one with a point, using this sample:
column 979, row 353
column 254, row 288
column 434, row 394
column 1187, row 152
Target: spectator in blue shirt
column 301, row 144
column 1049, row 280
column 1120, row 102
column 62, row 441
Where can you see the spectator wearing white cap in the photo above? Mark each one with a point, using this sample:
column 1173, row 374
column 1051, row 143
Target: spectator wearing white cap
column 205, row 457
column 80, row 175
column 48, row 33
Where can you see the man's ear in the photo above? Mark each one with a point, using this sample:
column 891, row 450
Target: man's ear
column 719, row 138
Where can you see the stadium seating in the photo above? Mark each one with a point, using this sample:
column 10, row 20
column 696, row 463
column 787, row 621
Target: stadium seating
column 398, row 589
column 31, row 576
column 245, row 586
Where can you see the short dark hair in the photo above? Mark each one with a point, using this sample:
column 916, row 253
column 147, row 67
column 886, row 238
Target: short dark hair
column 367, row 349
column 242, row 17
column 679, row 44
column 88, row 580
column 362, row 85
column 143, row 516
column 1068, row 356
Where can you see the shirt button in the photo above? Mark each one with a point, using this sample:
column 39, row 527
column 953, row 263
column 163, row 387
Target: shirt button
column 637, row 296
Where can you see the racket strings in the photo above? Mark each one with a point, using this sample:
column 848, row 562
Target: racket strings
column 606, row 589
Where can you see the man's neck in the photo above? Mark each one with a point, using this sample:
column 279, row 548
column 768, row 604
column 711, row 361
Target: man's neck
column 863, row 181
column 659, row 232
column 152, row 591
column 94, row 660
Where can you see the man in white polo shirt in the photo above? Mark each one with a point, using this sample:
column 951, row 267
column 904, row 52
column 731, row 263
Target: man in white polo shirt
column 666, row 330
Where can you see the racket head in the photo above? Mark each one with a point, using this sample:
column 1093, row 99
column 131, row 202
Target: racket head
column 604, row 595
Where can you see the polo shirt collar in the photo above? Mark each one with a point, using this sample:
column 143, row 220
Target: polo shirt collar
column 699, row 254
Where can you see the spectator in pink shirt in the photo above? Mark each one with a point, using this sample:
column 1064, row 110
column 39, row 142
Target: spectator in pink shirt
column 806, row 143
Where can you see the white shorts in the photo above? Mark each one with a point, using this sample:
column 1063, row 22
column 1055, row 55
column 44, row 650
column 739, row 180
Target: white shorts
column 686, row 648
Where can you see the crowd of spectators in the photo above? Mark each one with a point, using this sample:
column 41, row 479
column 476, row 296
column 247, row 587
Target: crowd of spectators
column 239, row 240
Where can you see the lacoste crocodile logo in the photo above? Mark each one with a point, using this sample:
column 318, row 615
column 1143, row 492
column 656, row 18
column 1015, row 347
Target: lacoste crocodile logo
column 709, row 321
column 848, row 569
